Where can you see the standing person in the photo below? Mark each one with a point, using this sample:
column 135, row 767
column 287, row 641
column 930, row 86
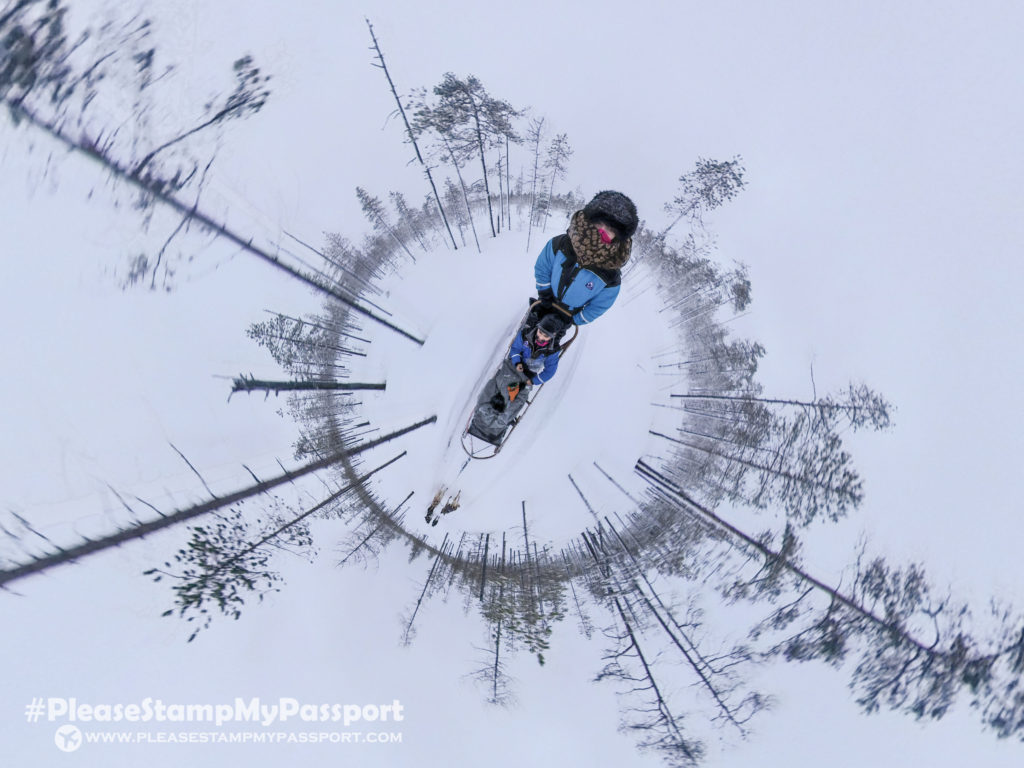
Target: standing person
column 581, row 270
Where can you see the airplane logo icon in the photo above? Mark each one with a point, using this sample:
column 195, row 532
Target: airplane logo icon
column 68, row 738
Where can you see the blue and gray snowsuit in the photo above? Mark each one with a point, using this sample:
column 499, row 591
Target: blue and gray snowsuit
column 540, row 362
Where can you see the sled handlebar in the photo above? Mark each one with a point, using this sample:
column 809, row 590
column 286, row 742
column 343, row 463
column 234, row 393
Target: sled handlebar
column 557, row 305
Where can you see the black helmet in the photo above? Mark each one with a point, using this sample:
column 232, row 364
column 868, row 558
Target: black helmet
column 614, row 208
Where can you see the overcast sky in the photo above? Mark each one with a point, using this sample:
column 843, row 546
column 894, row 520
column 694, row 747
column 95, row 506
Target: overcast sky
column 881, row 224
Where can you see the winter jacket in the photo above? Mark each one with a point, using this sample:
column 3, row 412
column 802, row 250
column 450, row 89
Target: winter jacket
column 543, row 364
column 589, row 294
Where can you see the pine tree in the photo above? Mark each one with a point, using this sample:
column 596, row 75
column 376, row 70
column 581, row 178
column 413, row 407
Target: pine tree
column 471, row 121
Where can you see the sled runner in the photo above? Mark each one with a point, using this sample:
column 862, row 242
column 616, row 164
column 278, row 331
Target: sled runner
column 507, row 395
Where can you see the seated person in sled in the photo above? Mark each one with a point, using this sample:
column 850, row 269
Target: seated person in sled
column 532, row 360
column 535, row 351
column 579, row 273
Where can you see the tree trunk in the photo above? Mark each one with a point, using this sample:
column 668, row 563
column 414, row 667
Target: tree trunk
column 801, row 479
column 501, row 194
column 508, row 185
column 483, row 573
column 483, row 163
column 465, row 192
column 412, row 136
column 294, row 521
column 662, row 706
column 192, row 212
column 551, row 197
column 659, row 480
column 243, row 384
column 406, row 638
column 139, row 530
column 387, row 227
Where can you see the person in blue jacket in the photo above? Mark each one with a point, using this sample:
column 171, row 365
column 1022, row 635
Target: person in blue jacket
column 535, row 351
column 581, row 270
column 532, row 360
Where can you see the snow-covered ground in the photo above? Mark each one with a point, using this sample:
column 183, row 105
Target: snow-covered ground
column 597, row 410
column 882, row 227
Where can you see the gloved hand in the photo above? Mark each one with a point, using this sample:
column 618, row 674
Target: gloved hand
column 547, row 297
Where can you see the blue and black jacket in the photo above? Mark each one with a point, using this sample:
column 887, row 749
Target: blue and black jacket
column 543, row 364
column 587, row 293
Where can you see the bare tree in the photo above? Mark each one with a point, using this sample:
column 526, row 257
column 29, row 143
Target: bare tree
column 493, row 675
column 915, row 652
column 64, row 555
column 409, row 632
column 533, row 135
column 409, row 132
column 220, row 565
column 252, row 384
column 858, row 404
column 557, row 162
column 248, row 98
column 657, row 727
column 380, row 533
column 39, row 86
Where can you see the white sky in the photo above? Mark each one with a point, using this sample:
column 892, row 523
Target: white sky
column 881, row 225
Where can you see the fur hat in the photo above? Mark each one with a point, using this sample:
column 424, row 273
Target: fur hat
column 615, row 208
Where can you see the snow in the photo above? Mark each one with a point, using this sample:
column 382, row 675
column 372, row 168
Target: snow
column 597, row 410
column 882, row 226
